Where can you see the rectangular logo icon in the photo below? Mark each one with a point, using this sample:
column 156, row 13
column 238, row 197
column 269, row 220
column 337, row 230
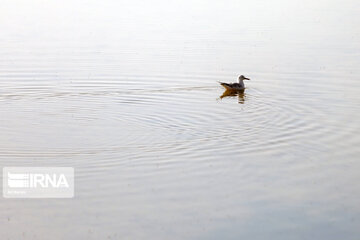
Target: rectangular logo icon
column 38, row 182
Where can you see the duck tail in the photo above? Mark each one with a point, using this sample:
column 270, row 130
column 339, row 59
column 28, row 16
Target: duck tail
column 225, row 85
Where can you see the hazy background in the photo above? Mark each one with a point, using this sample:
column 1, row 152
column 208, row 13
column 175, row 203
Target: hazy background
column 126, row 92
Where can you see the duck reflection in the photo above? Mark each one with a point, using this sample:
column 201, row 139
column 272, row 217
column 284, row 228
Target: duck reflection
column 233, row 93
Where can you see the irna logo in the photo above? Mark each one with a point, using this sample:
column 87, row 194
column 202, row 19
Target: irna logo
column 33, row 180
column 38, row 182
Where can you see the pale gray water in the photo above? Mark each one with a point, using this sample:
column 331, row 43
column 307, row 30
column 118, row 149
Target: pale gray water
column 127, row 94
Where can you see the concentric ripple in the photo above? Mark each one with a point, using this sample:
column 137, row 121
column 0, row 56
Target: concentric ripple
column 143, row 117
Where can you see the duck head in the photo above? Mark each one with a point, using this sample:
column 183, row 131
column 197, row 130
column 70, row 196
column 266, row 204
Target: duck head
column 242, row 77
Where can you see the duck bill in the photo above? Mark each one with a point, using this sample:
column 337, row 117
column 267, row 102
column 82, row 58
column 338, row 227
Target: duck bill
column 247, row 78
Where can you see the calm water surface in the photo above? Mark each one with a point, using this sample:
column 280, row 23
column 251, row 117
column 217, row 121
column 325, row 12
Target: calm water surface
column 126, row 92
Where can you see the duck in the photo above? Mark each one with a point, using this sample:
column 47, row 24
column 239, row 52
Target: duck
column 235, row 86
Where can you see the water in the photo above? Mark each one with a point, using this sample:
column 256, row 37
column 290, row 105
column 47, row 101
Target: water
column 127, row 94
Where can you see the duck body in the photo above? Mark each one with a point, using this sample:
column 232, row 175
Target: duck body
column 235, row 86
